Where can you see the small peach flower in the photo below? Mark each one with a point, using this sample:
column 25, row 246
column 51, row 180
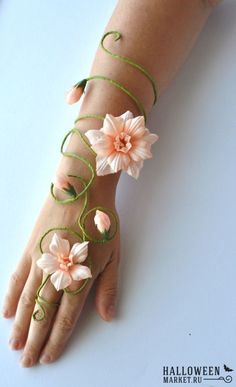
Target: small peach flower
column 123, row 143
column 61, row 182
column 76, row 92
column 63, row 263
column 102, row 221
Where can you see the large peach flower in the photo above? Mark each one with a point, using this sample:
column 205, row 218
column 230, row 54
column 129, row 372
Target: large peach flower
column 123, row 143
column 63, row 263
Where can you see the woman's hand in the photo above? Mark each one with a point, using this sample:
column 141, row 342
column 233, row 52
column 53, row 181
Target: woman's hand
column 46, row 339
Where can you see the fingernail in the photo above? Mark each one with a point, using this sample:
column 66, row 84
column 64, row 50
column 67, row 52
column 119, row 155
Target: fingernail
column 14, row 343
column 25, row 361
column 5, row 313
column 111, row 311
column 44, row 359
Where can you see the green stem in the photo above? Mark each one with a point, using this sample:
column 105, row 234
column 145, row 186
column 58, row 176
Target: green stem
column 117, row 35
column 40, row 313
column 87, row 116
column 40, row 300
column 118, row 85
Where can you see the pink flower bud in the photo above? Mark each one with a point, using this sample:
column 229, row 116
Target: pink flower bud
column 76, row 92
column 102, row 221
column 61, row 181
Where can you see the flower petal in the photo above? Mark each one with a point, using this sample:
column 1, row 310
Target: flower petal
column 59, row 246
column 134, row 168
column 140, row 151
column 135, row 127
column 104, row 146
column 102, row 166
column 48, row 263
column 112, row 125
column 94, row 135
column 127, row 115
column 150, row 138
column 118, row 161
column 61, row 279
column 79, row 252
column 80, row 272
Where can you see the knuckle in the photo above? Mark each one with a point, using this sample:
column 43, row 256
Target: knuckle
column 31, row 349
column 27, row 300
column 111, row 291
column 17, row 330
column 65, row 323
column 42, row 324
column 53, row 349
column 15, row 279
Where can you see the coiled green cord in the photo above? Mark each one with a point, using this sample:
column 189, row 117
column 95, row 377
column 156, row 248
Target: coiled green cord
column 40, row 313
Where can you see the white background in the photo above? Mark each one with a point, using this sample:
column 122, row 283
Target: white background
column 177, row 287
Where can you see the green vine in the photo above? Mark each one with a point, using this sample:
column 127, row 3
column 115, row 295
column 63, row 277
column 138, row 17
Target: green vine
column 84, row 235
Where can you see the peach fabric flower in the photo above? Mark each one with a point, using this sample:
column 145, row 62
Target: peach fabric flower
column 74, row 95
column 123, row 143
column 102, row 221
column 63, row 263
column 61, row 181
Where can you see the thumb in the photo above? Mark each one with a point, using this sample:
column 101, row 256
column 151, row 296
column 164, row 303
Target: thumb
column 106, row 290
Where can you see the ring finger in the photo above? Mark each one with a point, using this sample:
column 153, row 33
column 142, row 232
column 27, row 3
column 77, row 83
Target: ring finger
column 65, row 321
column 39, row 328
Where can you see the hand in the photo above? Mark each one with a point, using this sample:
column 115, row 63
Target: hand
column 46, row 339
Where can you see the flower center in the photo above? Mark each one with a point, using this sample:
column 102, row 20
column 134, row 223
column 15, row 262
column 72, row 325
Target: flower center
column 122, row 142
column 65, row 263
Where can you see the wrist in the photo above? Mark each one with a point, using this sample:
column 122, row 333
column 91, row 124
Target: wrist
column 103, row 188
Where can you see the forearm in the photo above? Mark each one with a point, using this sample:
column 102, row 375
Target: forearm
column 157, row 34
column 47, row 303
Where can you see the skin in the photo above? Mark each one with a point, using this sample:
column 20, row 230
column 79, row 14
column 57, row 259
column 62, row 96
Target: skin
column 159, row 35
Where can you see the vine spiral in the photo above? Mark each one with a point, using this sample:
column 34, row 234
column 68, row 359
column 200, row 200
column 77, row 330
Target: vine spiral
column 84, row 235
